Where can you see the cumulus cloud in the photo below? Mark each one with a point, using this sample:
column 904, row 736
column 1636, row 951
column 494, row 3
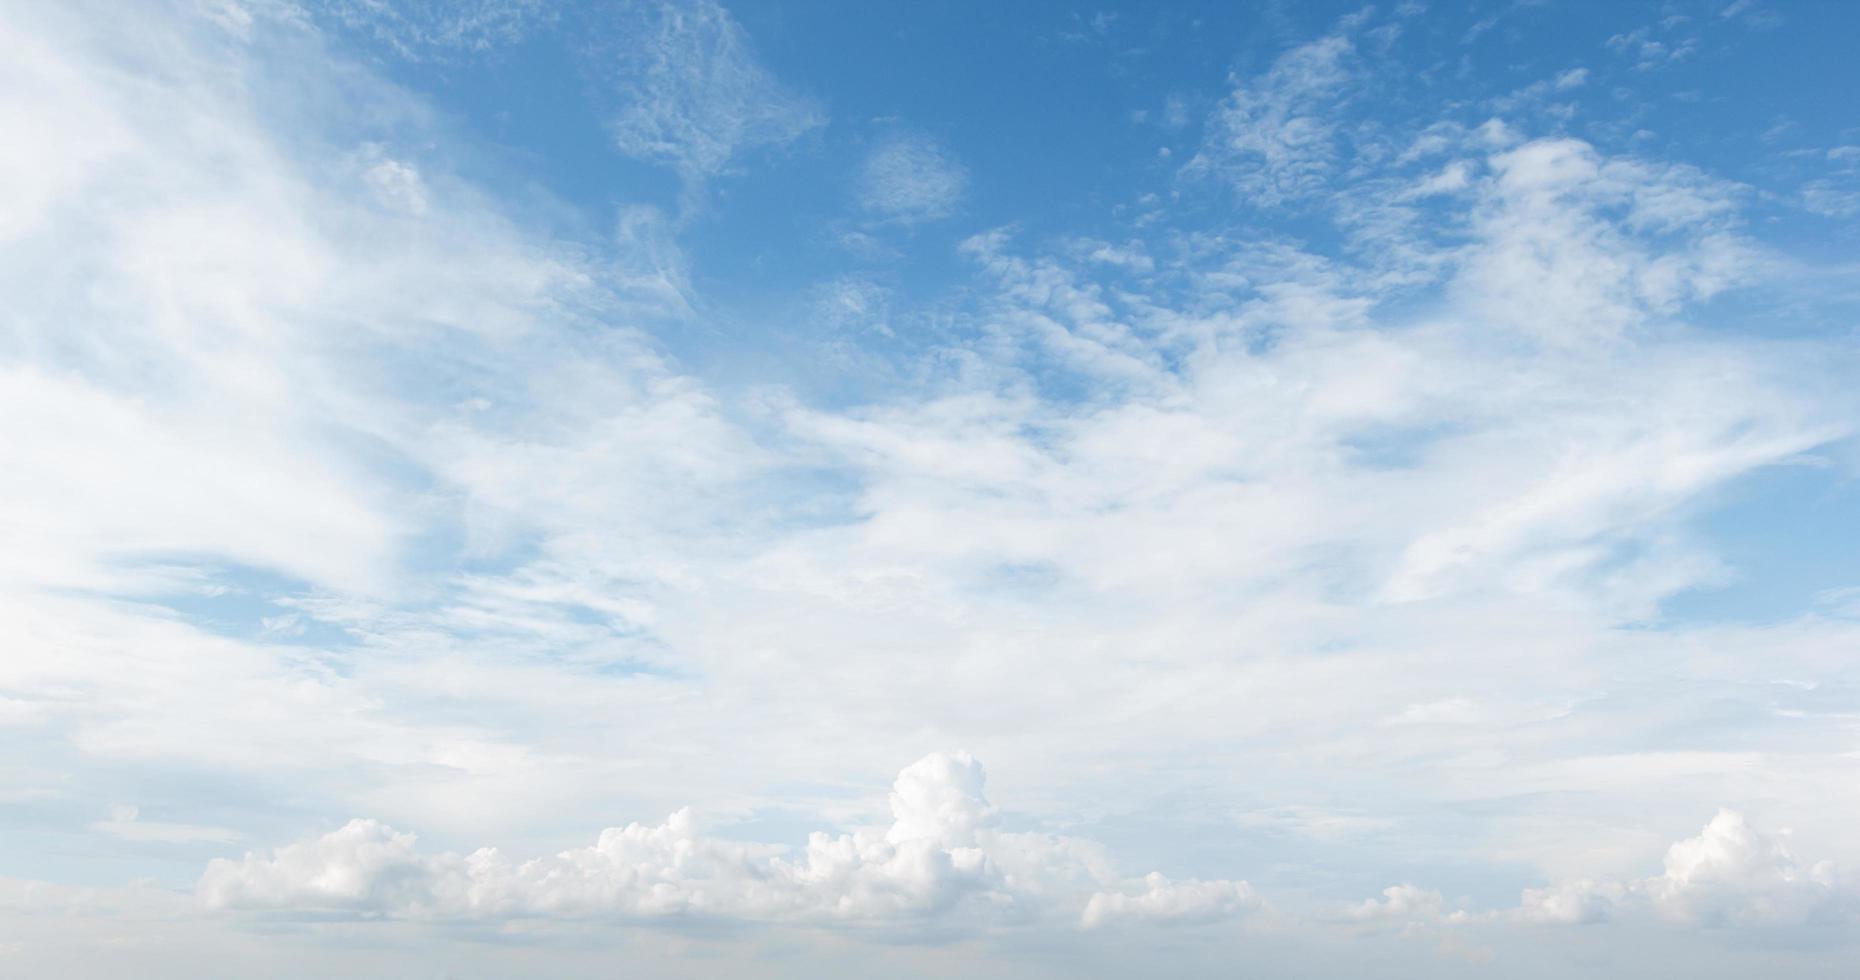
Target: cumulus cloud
column 1730, row 875
column 1734, row 874
column 939, row 798
column 909, row 179
column 938, row 858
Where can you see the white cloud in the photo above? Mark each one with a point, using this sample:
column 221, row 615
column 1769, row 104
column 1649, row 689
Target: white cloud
column 939, row 798
column 649, row 265
column 1571, row 230
column 852, row 303
column 77, row 130
column 909, row 179
column 1730, row 875
column 686, row 89
column 1407, row 902
column 1751, row 13
column 398, row 185
column 1273, row 137
column 938, row 858
column 1733, row 874
column 679, row 81
column 1455, row 176
column 1572, row 903
column 125, row 823
column 1654, row 46
column 436, row 29
column 1831, row 198
column 1158, row 900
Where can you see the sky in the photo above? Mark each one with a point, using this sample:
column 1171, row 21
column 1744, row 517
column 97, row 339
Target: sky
column 504, row 488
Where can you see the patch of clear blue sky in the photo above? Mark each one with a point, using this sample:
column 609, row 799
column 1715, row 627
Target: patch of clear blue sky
column 1790, row 536
column 1036, row 100
column 1040, row 103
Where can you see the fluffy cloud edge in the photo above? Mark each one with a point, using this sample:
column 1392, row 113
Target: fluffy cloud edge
column 1730, row 875
column 941, row 861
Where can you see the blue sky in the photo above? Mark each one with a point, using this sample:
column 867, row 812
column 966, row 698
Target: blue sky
column 505, row 488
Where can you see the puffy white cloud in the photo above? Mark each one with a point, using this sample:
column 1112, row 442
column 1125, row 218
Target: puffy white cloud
column 1730, row 875
column 1734, row 874
column 937, row 859
column 363, row 865
column 1572, row 902
column 939, row 798
column 1406, row 901
column 1576, row 233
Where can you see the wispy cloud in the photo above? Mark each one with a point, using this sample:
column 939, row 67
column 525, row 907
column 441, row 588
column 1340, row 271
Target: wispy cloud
column 125, row 822
column 1656, row 45
column 423, row 29
column 685, row 87
column 1273, row 137
column 907, row 178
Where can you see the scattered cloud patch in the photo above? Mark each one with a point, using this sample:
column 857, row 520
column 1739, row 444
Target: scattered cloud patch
column 1158, row 900
column 1406, row 902
column 940, row 858
column 436, row 29
column 1731, row 875
column 125, row 823
column 397, row 185
column 1573, row 78
column 686, row 89
column 1655, row 46
column 1273, row 139
column 908, row 179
